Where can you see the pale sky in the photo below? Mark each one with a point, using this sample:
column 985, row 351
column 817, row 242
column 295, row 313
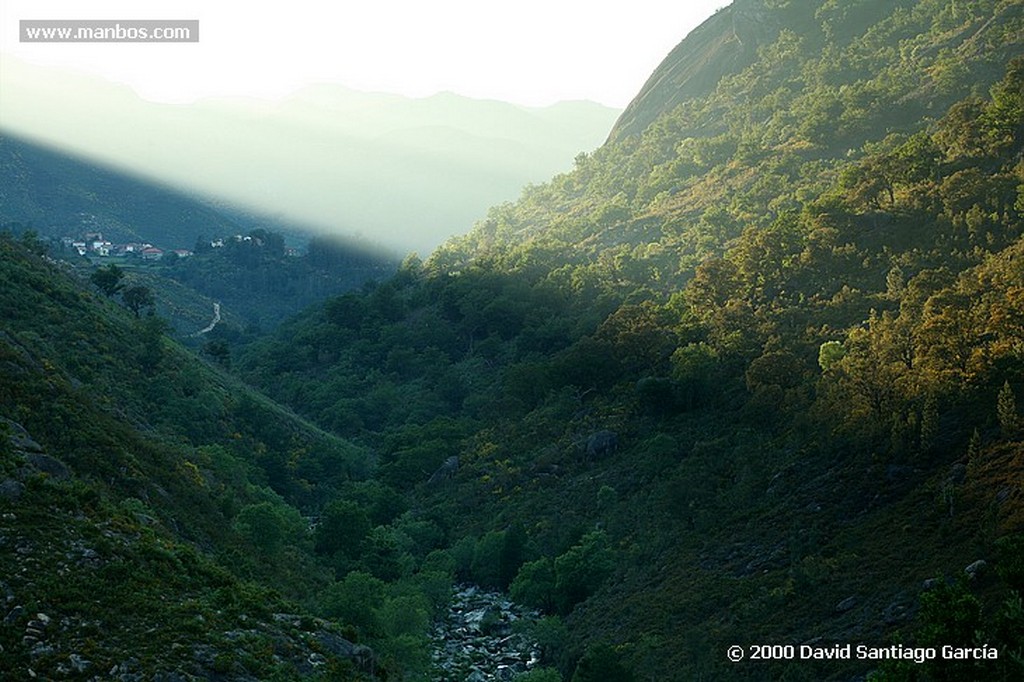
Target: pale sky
column 530, row 52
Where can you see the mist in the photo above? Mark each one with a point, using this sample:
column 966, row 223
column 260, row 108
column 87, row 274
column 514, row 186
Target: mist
column 406, row 173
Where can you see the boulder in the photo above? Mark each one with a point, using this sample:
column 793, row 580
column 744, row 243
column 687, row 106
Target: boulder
column 976, row 568
column 446, row 471
column 20, row 440
column 11, row 489
column 51, row 466
column 846, row 604
column 360, row 655
column 601, row 444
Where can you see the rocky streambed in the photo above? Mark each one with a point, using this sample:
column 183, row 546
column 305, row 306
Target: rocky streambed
column 478, row 641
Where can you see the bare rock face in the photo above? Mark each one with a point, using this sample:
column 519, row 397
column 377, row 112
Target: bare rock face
column 51, row 466
column 20, row 440
column 26, row 448
column 724, row 44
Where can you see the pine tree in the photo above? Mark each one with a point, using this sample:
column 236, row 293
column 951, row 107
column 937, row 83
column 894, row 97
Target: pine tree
column 973, row 451
column 1006, row 409
column 929, row 423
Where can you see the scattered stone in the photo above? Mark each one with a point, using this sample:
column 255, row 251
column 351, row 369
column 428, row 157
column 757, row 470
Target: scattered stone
column 930, row 584
column 846, row 604
column 976, row 569
column 894, row 613
column 897, row 472
column 78, row 664
column 11, row 489
column 362, row 656
column 957, row 474
column 39, row 649
column 14, row 614
column 169, row 677
column 475, row 640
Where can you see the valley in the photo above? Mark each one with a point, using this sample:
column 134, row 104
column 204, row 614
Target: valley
column 737, row 397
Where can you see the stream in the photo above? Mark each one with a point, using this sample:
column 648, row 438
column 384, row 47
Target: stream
column 477, row 641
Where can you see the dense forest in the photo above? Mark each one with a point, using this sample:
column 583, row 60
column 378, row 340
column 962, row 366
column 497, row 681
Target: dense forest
column 749, row 374
column 257, row 278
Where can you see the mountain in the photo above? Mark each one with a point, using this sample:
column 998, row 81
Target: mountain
column 726, row 43
column 149, row 529
column 747, row 375
column 732, row 40
column 735, row 398
column 402, row 172
column 256, row 284
column 67, row 196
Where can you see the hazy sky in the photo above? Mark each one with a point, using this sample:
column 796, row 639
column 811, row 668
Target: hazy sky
column 531, row 52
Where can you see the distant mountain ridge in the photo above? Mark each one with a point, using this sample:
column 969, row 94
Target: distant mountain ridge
column 404, row 172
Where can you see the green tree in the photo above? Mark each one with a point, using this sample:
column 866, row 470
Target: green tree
column 1006, row 410
column 138, row 297
column 950, row 614
column 693, row 368
column 552, row 637
column 355, row 600
column 108, row 279
column 265, row 525
column 382, row 555
column 31, row 241
column 534, row 585
column 929, row 423
column 342, row 530
column 151, row 333
column 219, row 351
column 513, row 552
column 582, row 569
column 486, row 567
column 829, row 354
column 601, row 664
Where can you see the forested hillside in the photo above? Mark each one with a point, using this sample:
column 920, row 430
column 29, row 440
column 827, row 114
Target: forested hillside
column 155, row 514
column 748, row 374
column 61, row 195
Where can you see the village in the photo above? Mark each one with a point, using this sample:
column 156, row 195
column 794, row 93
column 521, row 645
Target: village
column 93, row 244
